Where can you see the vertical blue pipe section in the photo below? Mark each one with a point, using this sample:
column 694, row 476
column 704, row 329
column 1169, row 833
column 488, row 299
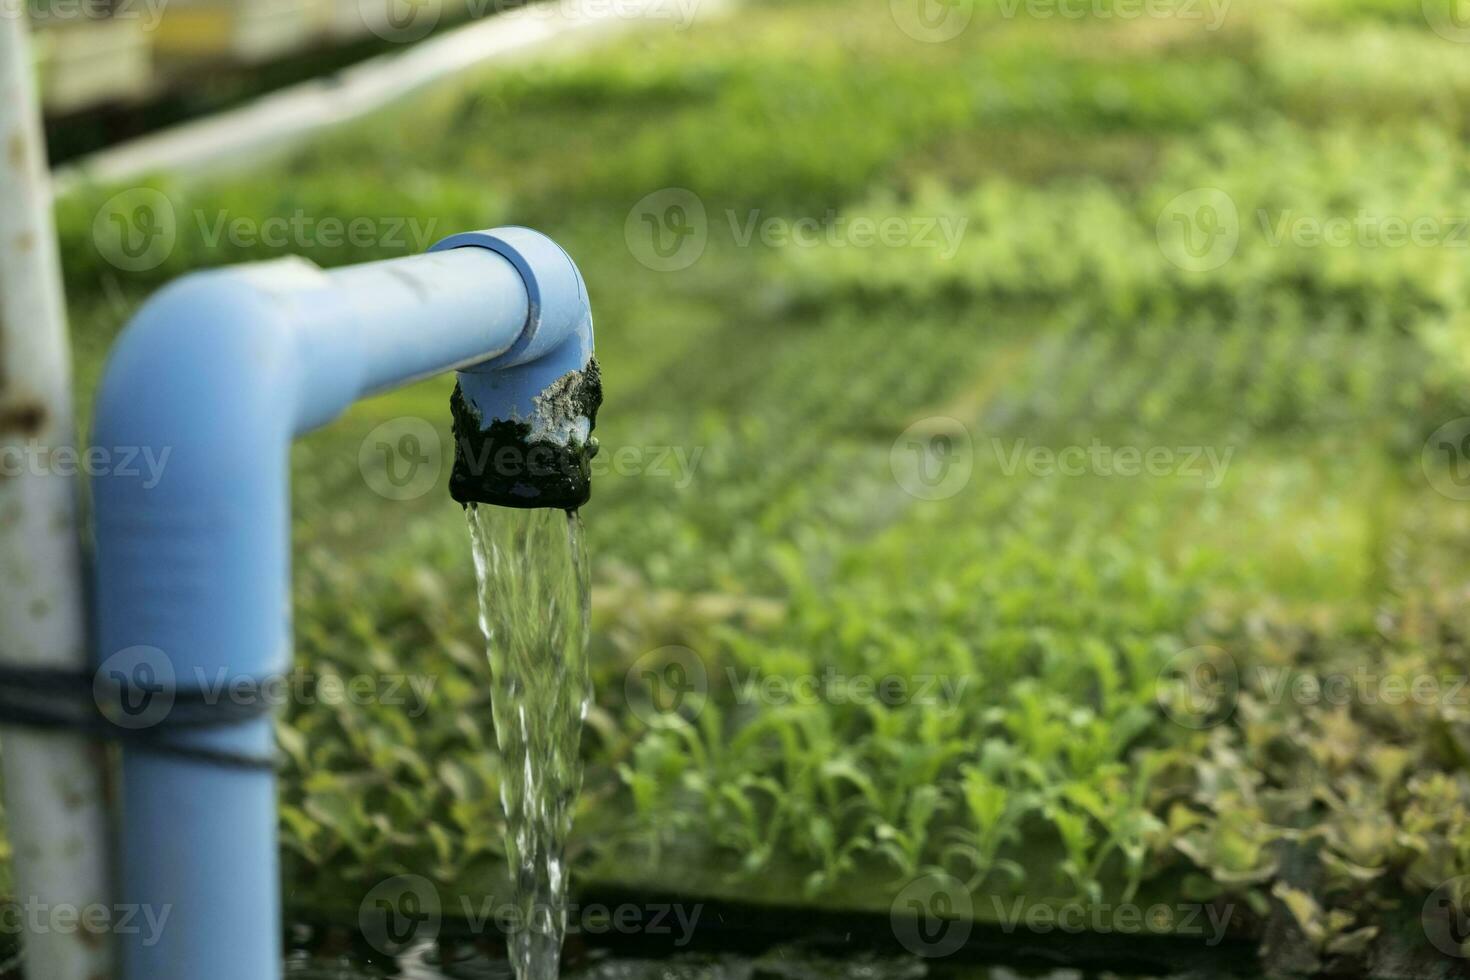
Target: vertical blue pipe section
column 192, row 581
column 214, row 377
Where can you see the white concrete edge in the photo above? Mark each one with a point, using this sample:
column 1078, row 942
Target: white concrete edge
column 237, row 138
column 54, row 782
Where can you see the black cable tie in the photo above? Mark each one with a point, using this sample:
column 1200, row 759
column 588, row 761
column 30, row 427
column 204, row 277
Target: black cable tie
column 58, row 699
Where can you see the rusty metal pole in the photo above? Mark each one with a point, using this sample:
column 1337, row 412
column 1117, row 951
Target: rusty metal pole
column 54, row 801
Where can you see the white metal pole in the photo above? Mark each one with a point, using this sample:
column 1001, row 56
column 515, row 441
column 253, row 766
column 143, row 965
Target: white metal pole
column 54, row 802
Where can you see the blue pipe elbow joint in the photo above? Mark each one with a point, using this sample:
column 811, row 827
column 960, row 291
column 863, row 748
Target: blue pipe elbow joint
column 523, row 421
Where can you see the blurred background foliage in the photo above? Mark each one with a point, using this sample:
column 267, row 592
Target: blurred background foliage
column 1059, row 770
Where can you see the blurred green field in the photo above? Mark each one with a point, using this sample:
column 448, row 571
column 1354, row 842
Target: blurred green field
column 779, row 537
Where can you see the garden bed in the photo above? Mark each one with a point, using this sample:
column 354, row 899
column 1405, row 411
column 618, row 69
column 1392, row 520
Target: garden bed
column 1296, row 531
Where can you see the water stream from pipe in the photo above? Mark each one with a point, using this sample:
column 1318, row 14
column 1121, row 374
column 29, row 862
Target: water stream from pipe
column 531, row 566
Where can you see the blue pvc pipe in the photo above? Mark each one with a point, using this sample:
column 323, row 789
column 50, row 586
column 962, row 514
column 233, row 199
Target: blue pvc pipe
column 221, row 370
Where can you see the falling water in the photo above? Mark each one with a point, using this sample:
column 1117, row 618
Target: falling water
column 534, row 608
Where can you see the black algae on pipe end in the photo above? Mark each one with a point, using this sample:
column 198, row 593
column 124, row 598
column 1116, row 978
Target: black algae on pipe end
column 506, row 465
